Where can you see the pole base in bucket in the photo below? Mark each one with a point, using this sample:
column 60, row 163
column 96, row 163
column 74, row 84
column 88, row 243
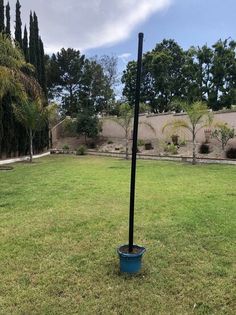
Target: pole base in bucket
column 130, row 262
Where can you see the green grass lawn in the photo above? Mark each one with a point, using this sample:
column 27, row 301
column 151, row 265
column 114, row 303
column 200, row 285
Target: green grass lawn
column 62, row 218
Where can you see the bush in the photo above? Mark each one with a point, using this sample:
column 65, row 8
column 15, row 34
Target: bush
column 182, row 143
column 148, row 146
column 175, row 139
column 171, row 148
column 231, row 153
column 204, row 148
column 69, row 128
column 81, row 150
column 140, row 142
column 110, row 142
column 65, row 147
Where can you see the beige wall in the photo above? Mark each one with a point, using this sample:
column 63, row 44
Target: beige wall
column 113, row 130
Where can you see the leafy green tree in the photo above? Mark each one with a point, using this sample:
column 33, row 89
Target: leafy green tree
column 109, row 74
column 88, row 125
column 95, row 92
column 223, row 133
column 223, row 72
column 17, row 85
column 124, row 120
column 165, row 64
column 33, row 116
column 2, row 23
column 8, row 20
column 18, row 30
column 65, row 71
column 198, row 118
column 197, row 74
column 162, row 78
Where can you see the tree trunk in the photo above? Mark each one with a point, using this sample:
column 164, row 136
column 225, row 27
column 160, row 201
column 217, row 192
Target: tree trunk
column 31, row 145
column 194, row 149
column 127, row 146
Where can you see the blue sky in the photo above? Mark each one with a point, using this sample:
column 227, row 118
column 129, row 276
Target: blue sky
column 189, row 22
column 111, row 26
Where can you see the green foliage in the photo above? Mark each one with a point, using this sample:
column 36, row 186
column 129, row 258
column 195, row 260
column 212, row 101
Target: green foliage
column 81, row 150
column 182, row 143
column 18, row 30
column 223, row 133
column 88, row 125
column 86, row 85
column 65, row 147
column 69, row 128
column 140, row 142
column 25, row 45
column 198, row 118
column 8, row 20
column 171, row 148
column 2, row 24
column 172, row 75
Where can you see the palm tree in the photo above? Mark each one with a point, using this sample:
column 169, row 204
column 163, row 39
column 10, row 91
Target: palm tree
column 198, row 118
column 125, row 120
column 33, row 116
column 17, row 80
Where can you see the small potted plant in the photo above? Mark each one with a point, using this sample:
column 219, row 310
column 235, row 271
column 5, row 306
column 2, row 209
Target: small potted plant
column 207, row 133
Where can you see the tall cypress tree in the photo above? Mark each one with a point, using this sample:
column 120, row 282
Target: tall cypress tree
column 32, row 48
column 25, row 45
column 8, row 19
column 37, row 50
column 2, row 24
column 18, row 31
column 42, row 66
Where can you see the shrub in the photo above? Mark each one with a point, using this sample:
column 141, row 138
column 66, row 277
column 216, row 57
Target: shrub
column 182, row 143
column 204, row 148
column 109, row 142
column 69, row 128
column 231, row 153
column 223, row 134
column 171, row 148
column 140, row 142
column 81, row 150
column 175, row 139
column 148, row 146
column 65, row 147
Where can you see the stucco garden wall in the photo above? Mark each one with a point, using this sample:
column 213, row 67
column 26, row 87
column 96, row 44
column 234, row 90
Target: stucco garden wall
column 112, row 130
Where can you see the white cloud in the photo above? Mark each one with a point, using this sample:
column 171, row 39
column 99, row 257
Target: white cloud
column 124, row 57
column 89, row 24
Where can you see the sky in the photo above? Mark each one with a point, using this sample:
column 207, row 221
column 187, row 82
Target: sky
column 98, row 27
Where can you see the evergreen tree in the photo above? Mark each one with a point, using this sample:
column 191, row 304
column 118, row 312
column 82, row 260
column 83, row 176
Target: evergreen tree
column 42, row 67
column 8, row 19
column 25, row 45
column 32, row 48
column 36, row 43
column 18, row 31
column 2, row 24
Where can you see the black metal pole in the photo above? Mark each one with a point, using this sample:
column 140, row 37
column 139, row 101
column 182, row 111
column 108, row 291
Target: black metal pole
column 135, row 137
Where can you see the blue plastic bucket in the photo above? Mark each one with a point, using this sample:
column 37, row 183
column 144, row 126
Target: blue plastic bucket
column 131, row 262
